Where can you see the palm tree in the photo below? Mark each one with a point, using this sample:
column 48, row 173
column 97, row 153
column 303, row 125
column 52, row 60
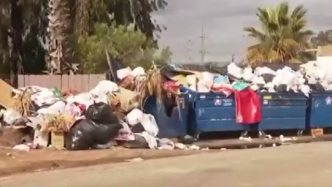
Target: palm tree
column 86, row 14
column 59, row 31
column 282, row 35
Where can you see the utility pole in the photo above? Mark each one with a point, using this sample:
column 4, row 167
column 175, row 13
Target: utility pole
column 203, row 51
column 189, row 51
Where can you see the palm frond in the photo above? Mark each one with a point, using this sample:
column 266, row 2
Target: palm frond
column 283, row 35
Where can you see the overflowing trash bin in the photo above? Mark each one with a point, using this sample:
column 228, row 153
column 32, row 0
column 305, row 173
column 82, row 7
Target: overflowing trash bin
column 219, row 112
column 283, row 111
column 171, row 119
column 213, row 112
column 320, row 110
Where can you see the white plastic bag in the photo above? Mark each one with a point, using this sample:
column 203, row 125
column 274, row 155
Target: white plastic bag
column 150, row 125
column 258, row 80
column 45, row 97
column 10, row 115
column 22, row 147
column 82, row 98
column 122, row 73
column 151, row 140
column 134, row 117
column 138, row 72
column 247, row 74
column 57, row 108
column 234, row 70
column 104, row 87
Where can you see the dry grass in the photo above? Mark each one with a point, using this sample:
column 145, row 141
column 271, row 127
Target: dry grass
column 23, row 104
column 57, row 123
column 153, row 85
column 150, row 84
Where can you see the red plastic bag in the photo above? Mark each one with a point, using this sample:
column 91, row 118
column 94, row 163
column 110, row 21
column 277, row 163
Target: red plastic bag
column 247, row 104
column 248, row 107
column 225, row 90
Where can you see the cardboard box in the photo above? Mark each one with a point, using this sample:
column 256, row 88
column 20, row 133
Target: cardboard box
column 127, row 99
column 6, row 99
column 58, row 140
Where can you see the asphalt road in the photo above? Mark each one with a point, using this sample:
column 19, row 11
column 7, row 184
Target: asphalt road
column 305, row 165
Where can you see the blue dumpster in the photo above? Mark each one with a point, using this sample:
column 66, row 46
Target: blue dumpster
column 212, row 112
column 320, row 110
column 173, row 125
column 283, row 111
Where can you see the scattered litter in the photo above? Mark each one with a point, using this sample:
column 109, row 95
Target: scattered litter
column 22, row 147
column 245, row 138
column 138, row 159
column 181, row 146
column 194, row 147
column 284, row 139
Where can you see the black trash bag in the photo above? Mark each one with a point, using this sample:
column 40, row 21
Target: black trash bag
column 138, row 128
column 138, row 143
column 316, row 87
column 101, row 113
column 86, row 134
column 281, row 88
column 268, row 77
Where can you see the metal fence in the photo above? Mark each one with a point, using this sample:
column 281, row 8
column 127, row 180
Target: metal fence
column 80, row 83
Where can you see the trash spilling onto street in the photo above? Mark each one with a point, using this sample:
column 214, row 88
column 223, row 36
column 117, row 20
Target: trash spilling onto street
column 128, row 112
column 108, row 115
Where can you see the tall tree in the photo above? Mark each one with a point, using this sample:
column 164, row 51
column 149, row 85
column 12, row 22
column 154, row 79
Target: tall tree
column 59, row 33
column 123, row 43
column 19, row 26
column 282, row 36
column 86, row 14
column 24, row 24
column 323, row 38
column 137, row 12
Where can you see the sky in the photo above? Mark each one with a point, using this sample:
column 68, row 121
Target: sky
column 223, row 22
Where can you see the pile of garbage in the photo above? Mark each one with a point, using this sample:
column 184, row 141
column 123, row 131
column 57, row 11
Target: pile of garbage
column 312, row 76
column 106, row 116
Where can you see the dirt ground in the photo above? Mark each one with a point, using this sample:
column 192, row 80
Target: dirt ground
column 301, row 165
column 14, row 162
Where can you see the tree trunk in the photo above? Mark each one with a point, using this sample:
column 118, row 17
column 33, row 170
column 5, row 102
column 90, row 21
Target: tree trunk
column 59, row 30
column 81, row 17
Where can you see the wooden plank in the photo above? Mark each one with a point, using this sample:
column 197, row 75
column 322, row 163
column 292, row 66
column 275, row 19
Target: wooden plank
column 78, row 83
column 34, row 80
column 85, row 83
column 21, row 80
column 93, row 81
column 56, row 79
column 71, row 82
column 27, row 80
column 64, row 82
